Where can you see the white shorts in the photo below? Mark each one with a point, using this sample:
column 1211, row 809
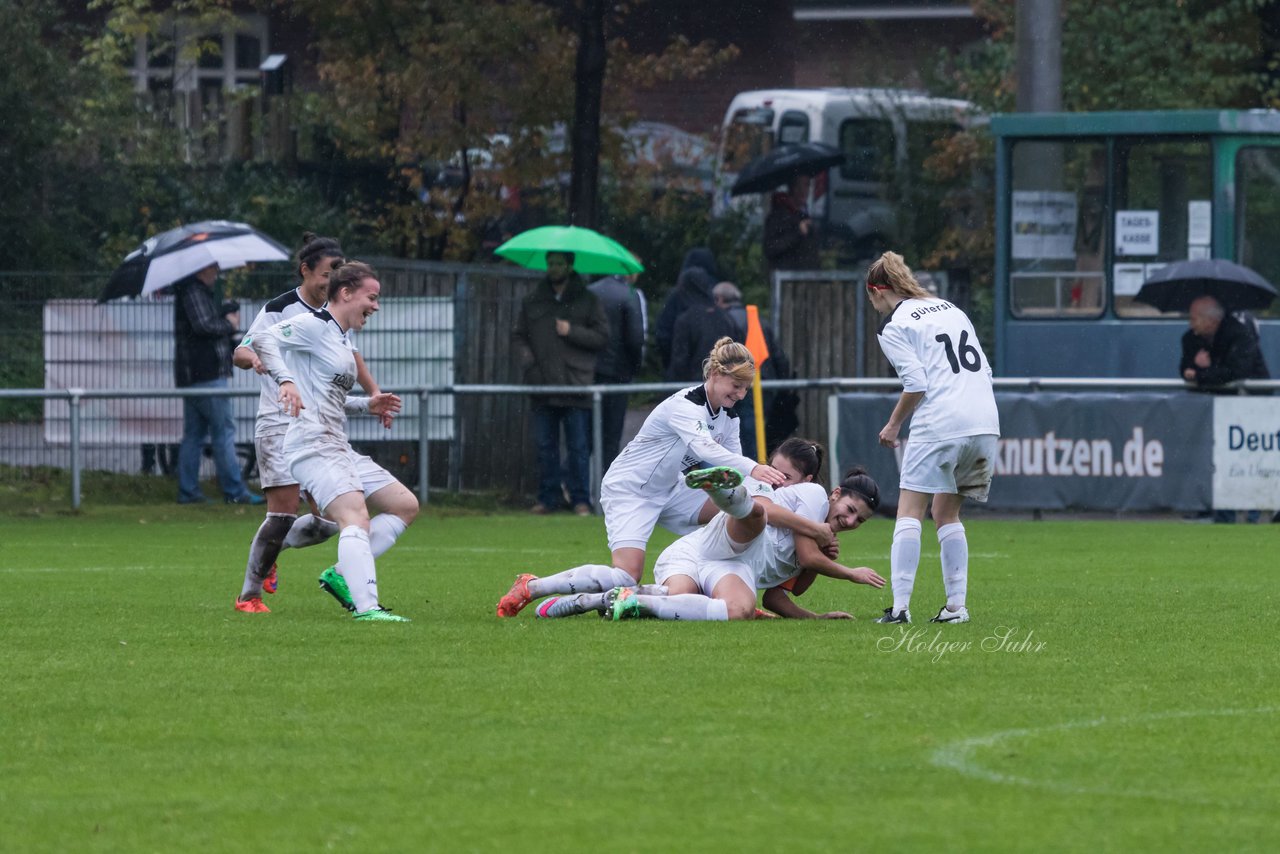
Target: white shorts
column 708, row 555
column 961, row 466
column 629, row 519
column 327, row 473
column 273, row 464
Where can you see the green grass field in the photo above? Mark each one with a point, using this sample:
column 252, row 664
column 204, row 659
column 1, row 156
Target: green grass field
column 1117, row 690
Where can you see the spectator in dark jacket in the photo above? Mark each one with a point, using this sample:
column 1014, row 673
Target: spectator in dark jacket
column 790, row 240
column 1219, row 349
column 1216, row 350
column 560, row 329
column 202, row 349
column 698, row 276
column 696, row 333
column 622, row 356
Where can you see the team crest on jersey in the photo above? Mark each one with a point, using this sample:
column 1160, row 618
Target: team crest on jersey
column 286, row 329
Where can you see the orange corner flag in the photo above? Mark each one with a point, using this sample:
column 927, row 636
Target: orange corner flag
column 755, row 337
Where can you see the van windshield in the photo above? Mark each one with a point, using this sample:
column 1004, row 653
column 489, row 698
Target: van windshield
column 749, row 134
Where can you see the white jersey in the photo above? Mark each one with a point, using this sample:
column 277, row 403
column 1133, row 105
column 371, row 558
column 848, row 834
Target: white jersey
column 313, row 352
column 934, row 349
column 681, row 434
column 808, row 500
column 271, row 417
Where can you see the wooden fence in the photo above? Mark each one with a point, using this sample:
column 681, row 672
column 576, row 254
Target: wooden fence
column 826, row 326
column 493, row 445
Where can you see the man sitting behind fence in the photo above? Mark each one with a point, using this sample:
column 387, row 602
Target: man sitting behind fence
column 560, row 329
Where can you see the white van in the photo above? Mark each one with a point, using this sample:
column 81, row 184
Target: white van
column 885, row 134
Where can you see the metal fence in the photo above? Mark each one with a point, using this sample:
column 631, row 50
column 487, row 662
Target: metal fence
column 426, row 462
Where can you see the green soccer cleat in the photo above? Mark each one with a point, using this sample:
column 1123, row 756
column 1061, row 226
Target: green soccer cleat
column 716, row 477
column 336, row 586
column 625, row 605
column 381, row 615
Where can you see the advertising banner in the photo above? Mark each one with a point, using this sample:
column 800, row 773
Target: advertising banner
column 1246, row 453
column 129, row 344
column 1096, row 451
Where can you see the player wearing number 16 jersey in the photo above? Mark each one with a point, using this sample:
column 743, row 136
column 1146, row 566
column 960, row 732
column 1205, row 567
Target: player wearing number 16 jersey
column 947, row 394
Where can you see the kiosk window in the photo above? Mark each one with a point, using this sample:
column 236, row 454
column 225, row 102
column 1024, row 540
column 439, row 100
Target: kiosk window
column 1164, row 193
column 1258, row 215
column 1058, row 229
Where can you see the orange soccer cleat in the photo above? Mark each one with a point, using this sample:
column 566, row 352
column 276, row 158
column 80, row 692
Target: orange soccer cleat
column 252, row 606
column 517, row 597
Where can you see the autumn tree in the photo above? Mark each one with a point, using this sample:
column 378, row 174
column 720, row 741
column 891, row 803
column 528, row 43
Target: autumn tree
column 462, row 98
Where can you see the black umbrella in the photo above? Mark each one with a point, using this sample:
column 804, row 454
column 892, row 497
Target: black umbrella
column 179, row 252
column 1173, row 287
column 782, row 164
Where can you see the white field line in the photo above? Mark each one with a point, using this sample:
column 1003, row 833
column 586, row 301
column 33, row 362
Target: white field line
column 959, row 756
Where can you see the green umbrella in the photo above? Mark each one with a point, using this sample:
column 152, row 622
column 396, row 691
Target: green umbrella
column 592, row 251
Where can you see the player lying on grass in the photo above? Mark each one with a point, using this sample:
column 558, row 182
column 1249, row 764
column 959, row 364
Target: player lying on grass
column 314, row 381
column 694, row 428
column 714, row 573
column 283, row 528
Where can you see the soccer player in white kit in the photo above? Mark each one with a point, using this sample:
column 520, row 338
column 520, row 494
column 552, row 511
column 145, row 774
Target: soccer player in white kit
column 283, row 528
column 950, row 454
column 692, row 429
column 714, row 573
column 314, row 379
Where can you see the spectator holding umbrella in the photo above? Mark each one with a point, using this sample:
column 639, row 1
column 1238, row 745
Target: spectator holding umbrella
column 790, row 236
column 202, row 333
column 1218, row 348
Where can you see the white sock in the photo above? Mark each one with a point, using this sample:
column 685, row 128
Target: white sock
column 589, row 578
column 692, row 607
column 955, row 563
column 904, row 560
column 263, row 552
column 355, row 562
column 384, row 530
column 736, row 502
column 309, row 530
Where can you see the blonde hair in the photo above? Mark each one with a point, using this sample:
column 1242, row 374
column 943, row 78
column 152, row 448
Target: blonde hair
column 730, row 358
column 892, row 270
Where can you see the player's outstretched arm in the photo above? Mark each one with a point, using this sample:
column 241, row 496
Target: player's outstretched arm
column 809, row 556
column 776, row 600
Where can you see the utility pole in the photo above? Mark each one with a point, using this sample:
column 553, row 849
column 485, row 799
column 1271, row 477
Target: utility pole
column 1039, row 63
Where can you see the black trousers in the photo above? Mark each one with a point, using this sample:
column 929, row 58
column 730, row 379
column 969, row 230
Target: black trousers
column 613, row 418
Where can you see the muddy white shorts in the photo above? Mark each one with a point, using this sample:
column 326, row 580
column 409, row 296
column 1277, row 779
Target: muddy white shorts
column 329, row 472
column 629, row 519
column 273, row 464
column 709, row 555
column 961, row 466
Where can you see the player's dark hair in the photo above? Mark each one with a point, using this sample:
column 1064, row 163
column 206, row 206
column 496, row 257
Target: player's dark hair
column 805, row 454
column 858, row 483
column 349, row 275
column 315, row 249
